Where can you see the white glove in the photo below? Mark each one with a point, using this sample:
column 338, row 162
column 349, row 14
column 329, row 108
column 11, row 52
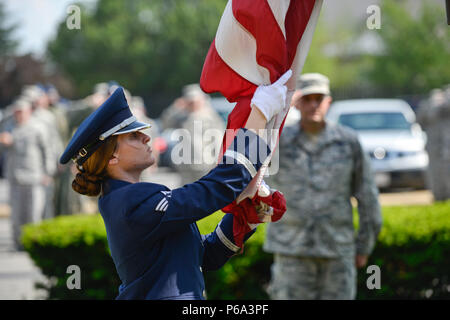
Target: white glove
column 271, row 99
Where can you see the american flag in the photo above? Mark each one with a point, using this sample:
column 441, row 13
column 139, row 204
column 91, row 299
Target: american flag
column 256, row 42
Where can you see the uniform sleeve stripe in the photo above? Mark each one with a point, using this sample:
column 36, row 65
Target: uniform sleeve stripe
column 161, row 204
column 164, row 208
column 230, row 245
column 168, row 194
column 242, row 160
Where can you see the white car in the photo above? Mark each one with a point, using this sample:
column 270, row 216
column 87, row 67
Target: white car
column 389, row 133
column 224, row 108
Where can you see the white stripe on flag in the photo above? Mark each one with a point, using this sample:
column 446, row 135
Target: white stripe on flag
column 279, row 9
column 237, row 48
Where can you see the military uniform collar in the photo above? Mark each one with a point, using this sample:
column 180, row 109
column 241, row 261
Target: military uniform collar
column 110, row 185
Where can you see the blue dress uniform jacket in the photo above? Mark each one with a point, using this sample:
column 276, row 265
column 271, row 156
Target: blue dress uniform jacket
column 155, row 244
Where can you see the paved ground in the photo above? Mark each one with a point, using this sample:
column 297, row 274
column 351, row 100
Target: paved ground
column 18, row 273
column 416, row 197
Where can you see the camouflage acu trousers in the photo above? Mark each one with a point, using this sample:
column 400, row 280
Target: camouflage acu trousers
column 27, row 206
column 308, row 278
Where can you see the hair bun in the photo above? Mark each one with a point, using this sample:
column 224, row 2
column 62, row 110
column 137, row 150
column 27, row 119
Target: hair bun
column 92, row 178
column 87, row 184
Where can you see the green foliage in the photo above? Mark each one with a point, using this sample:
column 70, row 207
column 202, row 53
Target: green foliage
column 245, row 275
column 342, row 72
column 417, row 48
column 413, row 48
column 73, row 240
column 413, row 253
column 7, row 43
column 147, row 46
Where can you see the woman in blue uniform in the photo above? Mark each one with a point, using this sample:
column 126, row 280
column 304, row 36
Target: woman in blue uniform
column 153, row 238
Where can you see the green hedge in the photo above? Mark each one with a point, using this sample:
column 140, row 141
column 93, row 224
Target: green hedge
column 73, row 240
column 413, row 253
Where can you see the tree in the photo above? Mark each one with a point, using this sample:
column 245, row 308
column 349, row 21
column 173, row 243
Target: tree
column 417, row 49
column 7, row 44
column 330, row 55
column 147, row 46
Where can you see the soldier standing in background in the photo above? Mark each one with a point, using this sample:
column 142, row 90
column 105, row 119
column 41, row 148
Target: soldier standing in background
column 41, row 105
column 321, row 167
column 66, row 201
column 174, row 115
column 7, row 124
column 200, row 118
column 434, row 116
column 138, row 109
column 29, row 166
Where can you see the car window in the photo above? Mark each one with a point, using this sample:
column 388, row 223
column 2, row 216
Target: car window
column 375, row 121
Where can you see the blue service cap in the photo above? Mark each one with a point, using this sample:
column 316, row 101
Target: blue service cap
column 113, row 117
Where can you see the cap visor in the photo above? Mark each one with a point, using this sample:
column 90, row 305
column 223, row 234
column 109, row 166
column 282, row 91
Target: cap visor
column 135, row 126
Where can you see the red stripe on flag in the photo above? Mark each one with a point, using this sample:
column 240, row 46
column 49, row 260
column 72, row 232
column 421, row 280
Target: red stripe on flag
column 217, row 76
column 236, row 119
column 297, row 18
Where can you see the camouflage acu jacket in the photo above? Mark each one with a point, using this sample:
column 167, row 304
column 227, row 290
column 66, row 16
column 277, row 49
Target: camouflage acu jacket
column 318, row 176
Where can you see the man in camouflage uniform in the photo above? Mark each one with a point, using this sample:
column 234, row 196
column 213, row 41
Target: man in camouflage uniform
column 321, row 167
column 174, row 115
column 29, row 165
column 434, row 116
column 41, row 105
column 70, row 117
column 204, row 130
